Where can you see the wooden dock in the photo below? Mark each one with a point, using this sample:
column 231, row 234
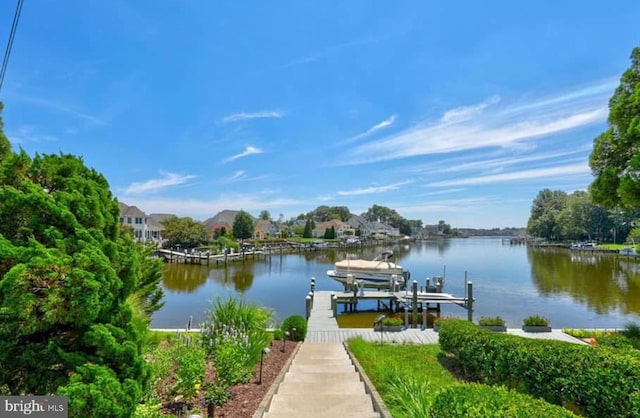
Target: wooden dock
column 322, row 327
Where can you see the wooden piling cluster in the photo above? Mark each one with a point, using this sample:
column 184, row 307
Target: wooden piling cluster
column 413, row 302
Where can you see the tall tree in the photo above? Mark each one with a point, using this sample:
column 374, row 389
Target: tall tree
column 545, row 209
column 243, row 226
column 265, row 215
column 184, row 232
column 66, row 277
column 308, row 229
column 615, row 159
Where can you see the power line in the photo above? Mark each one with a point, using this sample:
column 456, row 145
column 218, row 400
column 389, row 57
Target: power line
column 12, row 34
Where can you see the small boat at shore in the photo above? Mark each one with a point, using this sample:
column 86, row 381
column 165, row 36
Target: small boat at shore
column 377, row 273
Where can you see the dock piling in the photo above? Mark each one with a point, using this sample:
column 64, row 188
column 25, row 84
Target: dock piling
column 470, row 301
column 414, row 305
column 308, row 300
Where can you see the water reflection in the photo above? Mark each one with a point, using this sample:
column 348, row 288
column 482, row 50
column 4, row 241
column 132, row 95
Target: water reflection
column 184, row 278
column 605, row 282
column 240, row 275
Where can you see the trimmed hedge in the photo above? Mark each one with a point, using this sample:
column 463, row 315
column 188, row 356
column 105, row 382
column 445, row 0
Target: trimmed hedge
column 298, row 323
column 480, row 401
column 597, row 381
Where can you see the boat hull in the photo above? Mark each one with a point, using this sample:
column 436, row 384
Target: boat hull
column 368, row 280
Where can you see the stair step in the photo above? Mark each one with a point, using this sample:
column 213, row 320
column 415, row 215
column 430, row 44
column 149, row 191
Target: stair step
column 328, row 362
column 321, row 378
column 315, row 388
column 319, row 368
column 347, row 405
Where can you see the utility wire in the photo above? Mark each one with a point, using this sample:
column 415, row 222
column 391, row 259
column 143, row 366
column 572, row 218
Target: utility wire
column 12, row 34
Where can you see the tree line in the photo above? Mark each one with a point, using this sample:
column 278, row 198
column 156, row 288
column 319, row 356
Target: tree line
column 610, row 210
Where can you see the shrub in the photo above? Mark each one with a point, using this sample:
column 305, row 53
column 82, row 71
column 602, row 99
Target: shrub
column 492, row 321
column 392, row 322
column 235, row 335
column 296, row 326
column 479, row 401
column 535, row 321
column 191, row 370
column 599, row 381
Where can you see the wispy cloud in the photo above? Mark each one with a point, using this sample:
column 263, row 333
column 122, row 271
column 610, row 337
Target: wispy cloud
column 264, row 114
column 468, row 112
column 560, row 171
column 373, row 189
column 250, row 150
column 487, row 125
column 331, row 50
column 241, row 175
column 27, row 133
column 384, row 124
column 59, row 107
column 203, row 209
column 154, row 185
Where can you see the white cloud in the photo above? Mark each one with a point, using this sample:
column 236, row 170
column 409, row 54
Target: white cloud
column 560, row 171
column 468, row 112
column 60, row 107
column 203, row 209
column 486, row 126
column 26, row 133
column 265, row 114
column 247, row 151
column 168, row 180
column 373, row 129
column 373, row 189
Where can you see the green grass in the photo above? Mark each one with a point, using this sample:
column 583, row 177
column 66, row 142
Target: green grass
column 408, row 377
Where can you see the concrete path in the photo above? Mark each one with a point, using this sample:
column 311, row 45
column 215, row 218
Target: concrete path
column 321, row 382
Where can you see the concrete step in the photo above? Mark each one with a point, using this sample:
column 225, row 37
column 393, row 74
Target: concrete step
column 336, row 387
column 347, row 405
column 319, row 368
column 321, row 378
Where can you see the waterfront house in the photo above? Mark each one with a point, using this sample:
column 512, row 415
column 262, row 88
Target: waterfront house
column 147, row 228
column 342, row 229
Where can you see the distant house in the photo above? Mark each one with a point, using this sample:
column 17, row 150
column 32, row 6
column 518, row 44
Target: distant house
column 343, row 229
column 223, row 219
column 145, row 227
column 372, row 229
column 264, row 229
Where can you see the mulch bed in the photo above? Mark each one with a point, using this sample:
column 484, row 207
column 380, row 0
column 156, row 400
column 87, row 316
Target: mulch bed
column 245, row 398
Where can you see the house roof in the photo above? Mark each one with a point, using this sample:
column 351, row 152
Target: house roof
column 225, row 217
column 132, row 211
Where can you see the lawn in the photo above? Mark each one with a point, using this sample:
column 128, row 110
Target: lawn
column 408, row 377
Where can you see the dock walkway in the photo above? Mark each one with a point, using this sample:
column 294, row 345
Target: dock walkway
column 322, row 327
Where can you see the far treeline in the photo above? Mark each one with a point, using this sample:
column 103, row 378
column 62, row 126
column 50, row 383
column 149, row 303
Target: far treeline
column 610, row 210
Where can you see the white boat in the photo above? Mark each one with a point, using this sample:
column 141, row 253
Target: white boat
column 378, row 273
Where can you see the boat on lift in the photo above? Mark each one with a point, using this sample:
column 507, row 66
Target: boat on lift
column 378, row 273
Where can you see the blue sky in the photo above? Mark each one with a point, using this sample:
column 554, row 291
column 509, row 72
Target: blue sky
column 455, row 111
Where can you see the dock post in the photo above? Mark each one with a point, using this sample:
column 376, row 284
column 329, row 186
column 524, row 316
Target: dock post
column 310, row 295
column 424, row 318
column 470, row 301
column 308, row 300
column 354, row 301
column 414, row 302
column 313, row 284
column 406, row 316
column 334, row 305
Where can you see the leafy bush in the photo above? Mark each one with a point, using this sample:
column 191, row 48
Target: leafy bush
column 235, row 335
column 480, row 401
column 296, row 326
column 599, row 381
column 535, row 321
column 492, row 321
column 217, row 394
column 191, row 370
column 392, row 322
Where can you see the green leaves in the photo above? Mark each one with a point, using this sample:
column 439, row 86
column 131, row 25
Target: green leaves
column 614, row 155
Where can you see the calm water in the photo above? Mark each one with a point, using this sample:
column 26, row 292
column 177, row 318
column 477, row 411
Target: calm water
column 571, row 289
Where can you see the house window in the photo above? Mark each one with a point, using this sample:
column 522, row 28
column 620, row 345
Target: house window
column 121, row 220
column 128, row 219
column 138, row 221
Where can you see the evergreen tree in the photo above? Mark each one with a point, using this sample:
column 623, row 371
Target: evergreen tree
column 243, row 226
column 67, row 276
column 308, row 229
